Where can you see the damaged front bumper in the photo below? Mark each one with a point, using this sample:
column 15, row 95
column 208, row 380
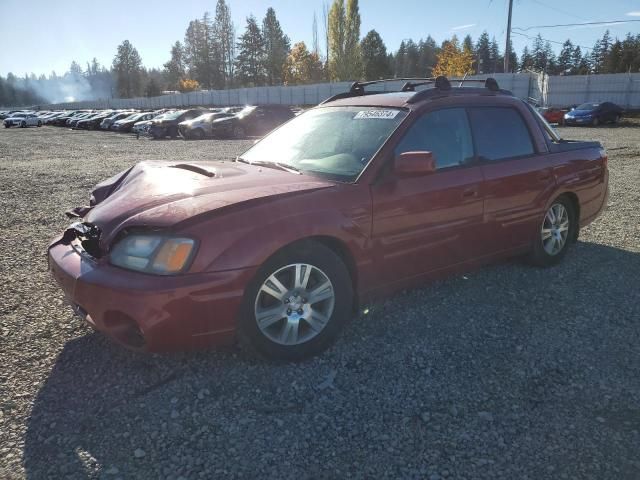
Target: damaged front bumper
column 147, row 312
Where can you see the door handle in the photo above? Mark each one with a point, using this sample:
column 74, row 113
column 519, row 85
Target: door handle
column 470, row 192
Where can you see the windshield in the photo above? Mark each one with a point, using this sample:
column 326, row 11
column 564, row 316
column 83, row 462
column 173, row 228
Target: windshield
column 337, row 142
column 171, row 115
column 588, row 106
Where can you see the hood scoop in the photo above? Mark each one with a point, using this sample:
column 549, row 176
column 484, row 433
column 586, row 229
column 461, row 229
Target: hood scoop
column 196, row 169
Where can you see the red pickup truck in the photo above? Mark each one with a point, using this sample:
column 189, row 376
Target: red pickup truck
column 366, row 194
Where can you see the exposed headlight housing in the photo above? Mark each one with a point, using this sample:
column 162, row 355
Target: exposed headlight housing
column 153, row 253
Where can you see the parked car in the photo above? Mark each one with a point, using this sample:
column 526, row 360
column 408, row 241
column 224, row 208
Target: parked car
column 22, row 120
column 127, row 123
column 166, row 125
column 107, row 122
column 61, row 121
column 252, row 121
column 200, row 127
column 92, row 122
column 73, row 121
column 552, row 114
column 594, row 114
column 350, row 201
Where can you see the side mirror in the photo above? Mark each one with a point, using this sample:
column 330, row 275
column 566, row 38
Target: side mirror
column 414, row 163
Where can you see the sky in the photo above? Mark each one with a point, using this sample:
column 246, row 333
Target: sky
column 41, row 36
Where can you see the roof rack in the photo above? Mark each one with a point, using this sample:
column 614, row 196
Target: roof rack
column 440, row 83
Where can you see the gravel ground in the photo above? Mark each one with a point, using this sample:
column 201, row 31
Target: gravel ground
column 507, row 372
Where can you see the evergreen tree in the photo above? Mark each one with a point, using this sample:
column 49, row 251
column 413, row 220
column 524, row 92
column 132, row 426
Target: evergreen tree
column 412, row 59
column 127, row 66
column 374, row 57
column 152, row 89
column 276, row 45
column 399, row 61
column 201, row 53
column 250, row 64
column 224, row 35
column 566, row 60
column 483, row 54
column 579, row 63
column 175, row 68
column 428, row 56
column 496, row 60
column 526, row 61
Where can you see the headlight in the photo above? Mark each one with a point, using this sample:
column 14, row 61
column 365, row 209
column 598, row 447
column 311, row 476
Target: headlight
column 155, row 254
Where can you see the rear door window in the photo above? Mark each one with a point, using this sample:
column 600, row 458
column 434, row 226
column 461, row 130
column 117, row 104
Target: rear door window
column 500, row 133
column 445, row 133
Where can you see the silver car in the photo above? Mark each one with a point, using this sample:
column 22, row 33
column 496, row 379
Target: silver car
column 23, row 120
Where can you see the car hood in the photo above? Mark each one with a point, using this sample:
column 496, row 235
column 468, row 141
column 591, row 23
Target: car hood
column 162, row 194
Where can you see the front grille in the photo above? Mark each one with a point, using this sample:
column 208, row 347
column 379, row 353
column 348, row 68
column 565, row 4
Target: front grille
column 87, row 234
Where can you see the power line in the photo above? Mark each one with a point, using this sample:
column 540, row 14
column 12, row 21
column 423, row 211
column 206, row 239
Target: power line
column 610, row 22
column 550, row 41
column 559, row 10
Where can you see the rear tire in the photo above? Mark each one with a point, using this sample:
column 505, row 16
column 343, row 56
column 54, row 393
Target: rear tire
column 558, row 229
column 23, row 125
column 312, row 326
column 198, row 134
column 39, row 123
column 239, row 132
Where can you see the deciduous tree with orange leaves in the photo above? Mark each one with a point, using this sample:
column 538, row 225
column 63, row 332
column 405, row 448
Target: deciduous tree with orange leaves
column 454, row 61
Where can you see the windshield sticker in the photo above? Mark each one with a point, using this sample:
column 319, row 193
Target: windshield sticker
column 383, row 114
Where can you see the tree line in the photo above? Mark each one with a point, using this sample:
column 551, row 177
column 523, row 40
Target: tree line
column 212, row 56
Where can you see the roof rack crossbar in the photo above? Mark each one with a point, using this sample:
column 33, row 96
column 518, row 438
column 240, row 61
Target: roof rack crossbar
column 440, row 83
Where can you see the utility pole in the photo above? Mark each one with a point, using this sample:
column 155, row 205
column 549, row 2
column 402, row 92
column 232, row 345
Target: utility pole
column 507, row 50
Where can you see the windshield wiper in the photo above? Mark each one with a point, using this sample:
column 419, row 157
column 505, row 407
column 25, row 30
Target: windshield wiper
column 282, row 166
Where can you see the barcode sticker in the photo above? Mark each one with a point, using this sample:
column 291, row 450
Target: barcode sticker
column 383, row 114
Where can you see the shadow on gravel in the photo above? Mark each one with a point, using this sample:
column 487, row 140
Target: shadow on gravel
column 104, row 411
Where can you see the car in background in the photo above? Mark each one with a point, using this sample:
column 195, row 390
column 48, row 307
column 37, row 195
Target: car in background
column 166, row 125
column 594, row 114
column 553, row 114
column 107, row 122
column 252, row 121
column 11, row 113
column 72, row 122
column 47, row 118
column 92, row 122
column 22, row 120
column 200, row 127
column 126, row 124
column 61, row 120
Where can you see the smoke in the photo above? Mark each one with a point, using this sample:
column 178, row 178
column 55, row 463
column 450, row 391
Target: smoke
column 70, row 87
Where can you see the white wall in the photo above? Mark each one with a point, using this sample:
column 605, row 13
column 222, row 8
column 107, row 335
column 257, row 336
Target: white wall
column 621, row 88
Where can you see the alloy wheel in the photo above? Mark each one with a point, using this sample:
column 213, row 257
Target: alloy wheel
column 294, row 304
column 555, row 229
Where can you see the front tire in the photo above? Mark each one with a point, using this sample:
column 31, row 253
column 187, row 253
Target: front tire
column 39, row 123
column 23, row 125
column 595, row 122
column 297, row 304
column 558, row 229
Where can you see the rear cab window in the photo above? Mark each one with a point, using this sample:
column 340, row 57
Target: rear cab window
column 500, row 133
